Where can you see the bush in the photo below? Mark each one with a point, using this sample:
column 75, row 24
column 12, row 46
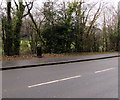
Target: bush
column 25, row 47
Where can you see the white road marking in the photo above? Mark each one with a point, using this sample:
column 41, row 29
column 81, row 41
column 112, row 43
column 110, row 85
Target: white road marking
column 64, row 79
column 104, row 70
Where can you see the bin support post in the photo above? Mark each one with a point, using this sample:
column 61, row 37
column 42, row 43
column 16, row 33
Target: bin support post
column 39, row 51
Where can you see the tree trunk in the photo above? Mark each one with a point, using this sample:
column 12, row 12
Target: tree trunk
column 9, row 39
column 17, row 28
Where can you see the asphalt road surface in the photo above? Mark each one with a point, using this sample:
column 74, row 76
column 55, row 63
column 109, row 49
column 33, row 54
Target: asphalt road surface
column 91, row 79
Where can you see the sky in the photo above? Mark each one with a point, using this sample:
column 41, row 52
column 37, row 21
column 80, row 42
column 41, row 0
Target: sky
column 110, row 2
column 113, row 3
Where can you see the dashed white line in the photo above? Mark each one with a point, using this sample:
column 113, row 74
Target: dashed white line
column 64, row 79
column 68, row 78
column 104, row 70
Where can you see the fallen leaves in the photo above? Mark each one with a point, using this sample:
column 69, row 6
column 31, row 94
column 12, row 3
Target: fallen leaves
column 34, row 56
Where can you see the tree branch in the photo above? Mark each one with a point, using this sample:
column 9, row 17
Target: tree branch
column 28, row 8
column 16, row 4
column 94, row 18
